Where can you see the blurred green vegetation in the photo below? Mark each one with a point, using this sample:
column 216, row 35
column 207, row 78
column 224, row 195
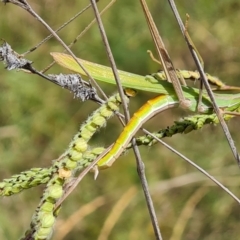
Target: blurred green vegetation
column 38, row 120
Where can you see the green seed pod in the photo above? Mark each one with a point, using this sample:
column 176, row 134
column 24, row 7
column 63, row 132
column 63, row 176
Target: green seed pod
column 90, row 127
column 47, row 206
column 23, row 177
column 99, row 121
column 55, row 191
column 7, row 191
column 113, row 106
column 43, row 233
column 97, row 150
column 74, row 155
column 106, row 113
column 16, row 189
column 36, row 182
column 83, row 162
column 69, row 164
column 47, row 220
column 80, row 145
column 26, row 185
column 87, row 156
column 55, row 180
column 2, row 185
column 45, row 180
column 86, row 134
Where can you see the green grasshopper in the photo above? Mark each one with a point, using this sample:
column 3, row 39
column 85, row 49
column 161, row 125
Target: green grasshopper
column 167, row 98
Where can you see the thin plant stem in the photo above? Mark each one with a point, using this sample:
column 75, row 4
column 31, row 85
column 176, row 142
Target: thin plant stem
column 140, row 164
column 205, row 82
column 195, row 165
column 57, row 30
column 25, row 5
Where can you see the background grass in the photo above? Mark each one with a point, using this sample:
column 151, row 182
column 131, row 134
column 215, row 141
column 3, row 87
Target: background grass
column 38, row 120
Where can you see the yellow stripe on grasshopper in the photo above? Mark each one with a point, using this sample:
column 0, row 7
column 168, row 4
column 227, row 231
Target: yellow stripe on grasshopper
column 147, row 111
